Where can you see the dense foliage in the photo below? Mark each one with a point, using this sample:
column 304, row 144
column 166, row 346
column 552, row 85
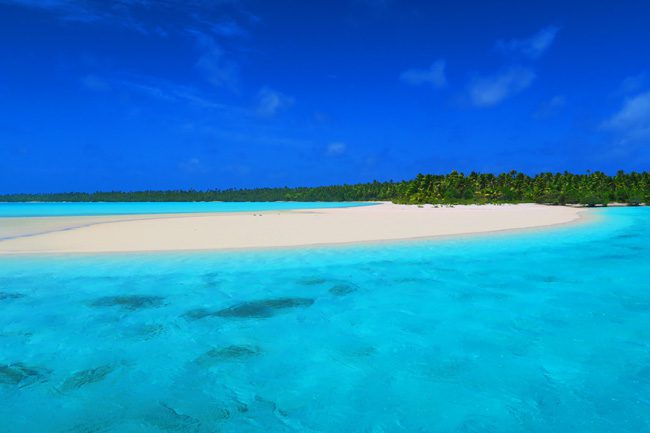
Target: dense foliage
column 454, row 188
column 559, row 188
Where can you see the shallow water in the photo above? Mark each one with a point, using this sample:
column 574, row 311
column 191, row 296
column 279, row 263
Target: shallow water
column 544, row 331
column 42, row 209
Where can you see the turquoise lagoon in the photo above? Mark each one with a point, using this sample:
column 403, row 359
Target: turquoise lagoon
column 543, row 331
column 42, row 209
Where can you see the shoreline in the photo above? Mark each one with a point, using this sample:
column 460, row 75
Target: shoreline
column 73, row 222
column 280, row 229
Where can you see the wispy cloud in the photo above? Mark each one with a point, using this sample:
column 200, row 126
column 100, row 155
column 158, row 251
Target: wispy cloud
column 156, row 88
column 201, row 20
column 142, row 16
column 212, row 62
column 229, row 29
column 532, row 47
column 120, row 13
column 270, row 102
column 192, row 165
column 95, row 83
column 491, row 90
column 632, row 84
column 336, row 148
column 433, row 76
column 631, row 123
column 550, row 107
column 377, row 5
column 62, row 6
column 40, row 4
column 174, row 93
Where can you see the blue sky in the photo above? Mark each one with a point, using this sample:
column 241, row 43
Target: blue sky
column 170, row 94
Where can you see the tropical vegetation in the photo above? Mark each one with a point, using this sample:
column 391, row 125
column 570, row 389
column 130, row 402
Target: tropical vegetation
column 590, row 189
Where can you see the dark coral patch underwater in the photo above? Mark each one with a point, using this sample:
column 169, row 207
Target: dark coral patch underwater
column 165, row 417
column 10, row 296
column 21, row 375
column 312, row 281
column 264, row 308
column 129, row 302
column 86, row 377
column 252, row 309
column 199, row 313
column 342, row 289
column 228, row 353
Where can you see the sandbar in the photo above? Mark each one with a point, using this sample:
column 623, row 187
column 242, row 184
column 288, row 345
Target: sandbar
column 268, row 229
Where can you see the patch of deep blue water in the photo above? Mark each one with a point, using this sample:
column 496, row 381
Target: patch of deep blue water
column 545, row 331
column 43, row 209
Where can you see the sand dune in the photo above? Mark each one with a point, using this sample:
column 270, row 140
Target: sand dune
column 221, row 231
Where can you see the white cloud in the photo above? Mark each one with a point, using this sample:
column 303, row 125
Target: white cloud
column 336, row 149
column 434, row 75
column 632, row 122
column 270, row 102
column 491, row 90
column 532, row 47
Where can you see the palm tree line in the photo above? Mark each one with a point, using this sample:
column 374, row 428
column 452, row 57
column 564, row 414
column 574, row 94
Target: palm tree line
column 590, row 189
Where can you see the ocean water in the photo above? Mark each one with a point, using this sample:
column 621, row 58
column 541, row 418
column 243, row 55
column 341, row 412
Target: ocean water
column 124, row 208
column 544, row 331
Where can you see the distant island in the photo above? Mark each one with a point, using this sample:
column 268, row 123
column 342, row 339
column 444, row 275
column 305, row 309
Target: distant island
column 590, row 189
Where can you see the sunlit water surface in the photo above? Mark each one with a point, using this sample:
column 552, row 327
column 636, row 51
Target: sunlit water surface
column 544, row 331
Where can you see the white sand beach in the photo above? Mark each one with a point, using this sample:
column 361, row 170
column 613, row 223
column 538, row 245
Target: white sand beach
column 268, row 229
